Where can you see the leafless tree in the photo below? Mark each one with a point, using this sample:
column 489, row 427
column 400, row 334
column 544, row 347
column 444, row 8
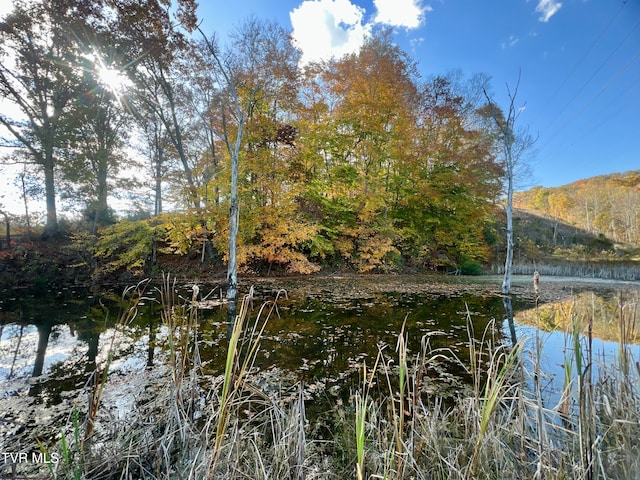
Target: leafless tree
column 249, row 72
column 515, row 145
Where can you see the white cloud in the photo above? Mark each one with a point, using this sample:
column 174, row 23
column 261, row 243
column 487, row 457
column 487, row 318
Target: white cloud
column 400, row 13
column 511, row 42
column 332, row 28
column 416, row 42
column 547, row 9
column 328, row 28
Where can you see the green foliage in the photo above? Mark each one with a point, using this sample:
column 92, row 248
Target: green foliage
column 95, row 214
column 132, row 245
column 181, row 234
column 470, row 267
column 601, row 243
column 126, row 245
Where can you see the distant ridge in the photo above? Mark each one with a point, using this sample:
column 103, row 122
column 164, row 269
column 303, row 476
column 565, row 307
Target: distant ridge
column 605, row 206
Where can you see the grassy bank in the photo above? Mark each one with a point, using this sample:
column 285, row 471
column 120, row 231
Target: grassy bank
column 394, row 426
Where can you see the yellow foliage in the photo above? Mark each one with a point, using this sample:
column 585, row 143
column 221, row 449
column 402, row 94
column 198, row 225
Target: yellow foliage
column 183, row 232
column 280, row 239
column 374, row 250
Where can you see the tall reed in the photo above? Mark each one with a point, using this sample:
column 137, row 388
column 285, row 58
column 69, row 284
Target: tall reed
column 504, row 424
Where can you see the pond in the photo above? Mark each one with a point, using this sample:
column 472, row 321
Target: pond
column 321, row 332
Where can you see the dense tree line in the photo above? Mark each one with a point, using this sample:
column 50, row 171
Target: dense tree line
column 357, row 161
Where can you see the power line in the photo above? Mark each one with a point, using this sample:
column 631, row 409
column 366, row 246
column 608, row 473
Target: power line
column 602, row 121
column 611, row 80
column 579, row 113
column 597, row 70
column 588, row 103
column 582, row 58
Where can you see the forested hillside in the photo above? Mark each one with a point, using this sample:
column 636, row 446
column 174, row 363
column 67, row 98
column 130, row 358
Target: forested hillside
column 607, row 205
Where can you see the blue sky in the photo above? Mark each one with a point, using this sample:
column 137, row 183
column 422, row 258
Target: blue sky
column 579, row 62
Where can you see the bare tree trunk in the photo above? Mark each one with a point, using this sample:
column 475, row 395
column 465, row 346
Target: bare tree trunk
column 508, row 308
column 158, row 174
column 26, row 207
column 234, row 211
column 508, row 264
column 234, row 153
column 232, row 273
column 515, row 146
column 51, row 227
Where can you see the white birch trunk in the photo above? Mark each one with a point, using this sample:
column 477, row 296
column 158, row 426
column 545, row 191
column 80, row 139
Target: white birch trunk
column 508, row 264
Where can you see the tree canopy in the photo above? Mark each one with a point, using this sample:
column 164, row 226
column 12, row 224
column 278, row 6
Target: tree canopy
column 356, row 162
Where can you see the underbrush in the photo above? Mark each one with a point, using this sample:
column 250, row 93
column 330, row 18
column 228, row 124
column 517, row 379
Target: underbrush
column 394, row 426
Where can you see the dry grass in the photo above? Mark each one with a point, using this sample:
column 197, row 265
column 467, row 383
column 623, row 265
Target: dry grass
column 501, row 427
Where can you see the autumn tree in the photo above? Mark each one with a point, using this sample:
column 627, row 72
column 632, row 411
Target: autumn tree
column 96, row 149
column 155, row 50
column 448, row 187
column 269, row 181
column 603, row 205
column 41, row 49
column 396, row 169
column 359, row 117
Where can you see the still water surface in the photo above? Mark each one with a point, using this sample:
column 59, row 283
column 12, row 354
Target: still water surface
column 321, row 333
